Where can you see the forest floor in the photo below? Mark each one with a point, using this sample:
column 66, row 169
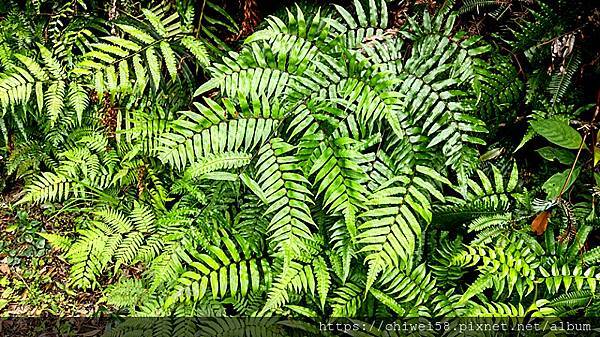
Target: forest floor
column 33, row 276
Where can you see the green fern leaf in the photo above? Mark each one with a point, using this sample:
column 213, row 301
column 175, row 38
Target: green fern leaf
column 169, row 57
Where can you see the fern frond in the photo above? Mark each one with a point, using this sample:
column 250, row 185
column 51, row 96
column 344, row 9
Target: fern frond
column 393, row 230
column 295, row 277
column 288, row 197
column 323, row 279
column 347, row 300
column 561, row 80
column 225, row 273
column 414, row 285
column 216, row 162
column 57, row 241
column 196, row 135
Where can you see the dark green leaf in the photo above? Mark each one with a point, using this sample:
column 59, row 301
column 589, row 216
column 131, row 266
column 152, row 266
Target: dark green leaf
column 558, row 132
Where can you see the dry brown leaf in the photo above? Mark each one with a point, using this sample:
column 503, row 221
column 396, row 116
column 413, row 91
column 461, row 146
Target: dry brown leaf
column 539, row 224
column 4, row 269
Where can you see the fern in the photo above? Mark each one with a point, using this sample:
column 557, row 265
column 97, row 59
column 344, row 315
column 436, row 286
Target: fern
column 347, row 300
column 328, row 167
column 288, row 198
column 294, row 277
column 219, row 273
column 211, row 133
column 414, row 285
column 127, row 53
column 560, row 82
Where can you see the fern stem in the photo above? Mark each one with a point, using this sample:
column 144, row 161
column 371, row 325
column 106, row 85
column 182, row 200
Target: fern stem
column 588, row 130
column 200, row 19
column 562, row 190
